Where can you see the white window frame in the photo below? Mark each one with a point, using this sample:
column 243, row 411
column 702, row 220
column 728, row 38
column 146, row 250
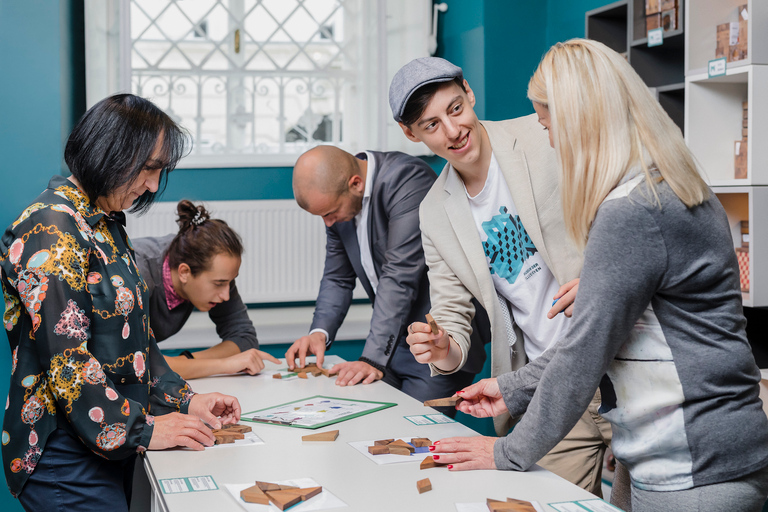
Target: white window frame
column 392, row 32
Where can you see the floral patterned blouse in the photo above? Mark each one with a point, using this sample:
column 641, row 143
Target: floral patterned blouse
column 84, row 356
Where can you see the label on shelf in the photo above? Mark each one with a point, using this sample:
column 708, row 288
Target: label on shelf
column 734, row 33
column 716, row 67
column 656, row 37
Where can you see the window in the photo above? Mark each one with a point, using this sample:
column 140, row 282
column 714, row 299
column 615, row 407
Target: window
column 258, row 82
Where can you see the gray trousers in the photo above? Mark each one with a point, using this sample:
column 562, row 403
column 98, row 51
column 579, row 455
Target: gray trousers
column 745, row 494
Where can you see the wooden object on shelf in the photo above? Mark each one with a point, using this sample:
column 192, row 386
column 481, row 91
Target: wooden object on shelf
column 669, row 19
column 745, row 234
column 652, row 7
column 330, row 435
column 424, row 485
column 432, row 324
column 653, row 21
column 254, row 495
column 450, row 401
column 667, row 5
column 742, row 255
column 740, row 159
column 723, row 38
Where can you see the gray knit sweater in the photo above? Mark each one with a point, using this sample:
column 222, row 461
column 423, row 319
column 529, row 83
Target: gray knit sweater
column 658, row 325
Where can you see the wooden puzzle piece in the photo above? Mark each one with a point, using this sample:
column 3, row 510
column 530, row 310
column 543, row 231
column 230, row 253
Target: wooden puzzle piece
column 509, row 505
column 420, row 442
column 330, row 435
column 403, row 444
column 450, row 401
column 277, row 376
column 307, row 492
column 398, row 450
column 223, row 439
column 424, row 485
column 303, row 375
column 236, row 427
column 227, row 433
column 378, row 450
column 429, row 462
column 283, row 499
column 432, row 324
column 254, row 495
column 267, row 486
column 382, row 442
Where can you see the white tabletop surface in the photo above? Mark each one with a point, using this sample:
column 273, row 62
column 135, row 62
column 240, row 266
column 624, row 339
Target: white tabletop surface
column 338, row 467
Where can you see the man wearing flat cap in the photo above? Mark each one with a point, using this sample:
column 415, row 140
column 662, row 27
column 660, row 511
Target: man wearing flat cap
column 493, row 230
column 370, row 205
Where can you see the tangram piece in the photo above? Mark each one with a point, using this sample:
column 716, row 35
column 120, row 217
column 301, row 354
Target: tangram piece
column 306, row 493
column 331, row 435
column 382, row 442
column 450, row 401
column 219, row 439
column 254, row 495
column 302, row 375
column 432, row 324
column 420, row 442
column 267, row 486
column 227, row 433
column 240, row 429
column 277, row 376
column 398, row 450
column 424, row 485
column 325, row 371
column 403, row 444
column 378, row 450
column 429, row 462
column 283, row 499
column 510, row 505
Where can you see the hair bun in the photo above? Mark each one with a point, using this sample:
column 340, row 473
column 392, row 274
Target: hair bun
column 190, row 216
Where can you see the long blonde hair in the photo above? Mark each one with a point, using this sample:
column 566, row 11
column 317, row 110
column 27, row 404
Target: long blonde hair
column 604, row 120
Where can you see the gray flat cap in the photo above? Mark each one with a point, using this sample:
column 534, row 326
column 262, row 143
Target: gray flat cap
column 415, row 74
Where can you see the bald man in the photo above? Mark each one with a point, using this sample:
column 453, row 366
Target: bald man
column 370, row 205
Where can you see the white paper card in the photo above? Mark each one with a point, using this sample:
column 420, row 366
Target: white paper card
column 322, row 501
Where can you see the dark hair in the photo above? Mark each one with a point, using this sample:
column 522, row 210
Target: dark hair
column 112, row 142
column 200, row 238
column 421, row 97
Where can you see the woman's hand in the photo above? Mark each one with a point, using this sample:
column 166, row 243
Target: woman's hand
column 215, row 409
column 425, row 346
column 464, row 453
column 564, row 297
column 482, row 399
column 176, row 429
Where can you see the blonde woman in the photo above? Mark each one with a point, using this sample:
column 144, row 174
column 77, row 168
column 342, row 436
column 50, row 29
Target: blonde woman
column 657, row 322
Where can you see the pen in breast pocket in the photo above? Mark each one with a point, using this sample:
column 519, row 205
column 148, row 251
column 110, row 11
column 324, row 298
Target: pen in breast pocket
column 553, row 305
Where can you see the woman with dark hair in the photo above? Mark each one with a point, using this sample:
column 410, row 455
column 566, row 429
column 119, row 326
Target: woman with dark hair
column 89, row 388
column 196, row 269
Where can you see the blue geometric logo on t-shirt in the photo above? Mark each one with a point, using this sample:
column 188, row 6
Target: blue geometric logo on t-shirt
column 508, row 245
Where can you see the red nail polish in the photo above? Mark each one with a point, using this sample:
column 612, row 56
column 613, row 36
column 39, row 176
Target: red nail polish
column 450, row 466
column 436, row 457
column 431, row 448
column 436, row 443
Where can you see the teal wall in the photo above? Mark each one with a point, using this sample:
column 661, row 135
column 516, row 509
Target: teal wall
column 497, row 42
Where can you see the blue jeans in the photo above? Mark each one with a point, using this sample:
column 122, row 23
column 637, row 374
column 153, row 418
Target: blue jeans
column 71, row 477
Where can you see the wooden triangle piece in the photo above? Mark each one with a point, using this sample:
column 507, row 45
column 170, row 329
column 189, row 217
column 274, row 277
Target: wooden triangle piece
column 429, row 462
column 402, row 444
column 450, row 401
column 283, row 499
column 307, row 492
column 254, row 495
column 330, row 435
column 267, row 486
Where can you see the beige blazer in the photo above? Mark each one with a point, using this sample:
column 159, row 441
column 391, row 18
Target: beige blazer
column 458, row 270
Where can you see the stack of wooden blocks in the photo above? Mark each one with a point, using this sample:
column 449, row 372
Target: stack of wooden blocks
column 740, row 146
column 732, row 36
column 742, row 255
column 661, row 13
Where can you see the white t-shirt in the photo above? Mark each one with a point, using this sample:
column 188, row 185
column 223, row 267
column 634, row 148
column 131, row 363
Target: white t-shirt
column 519, row 272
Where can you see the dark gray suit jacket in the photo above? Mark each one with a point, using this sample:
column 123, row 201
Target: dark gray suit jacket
column 400, row 183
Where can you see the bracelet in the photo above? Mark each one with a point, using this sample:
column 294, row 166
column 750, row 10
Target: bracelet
column 187, row 354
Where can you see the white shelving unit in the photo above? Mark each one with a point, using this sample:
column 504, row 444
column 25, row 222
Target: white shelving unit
column 713, row 122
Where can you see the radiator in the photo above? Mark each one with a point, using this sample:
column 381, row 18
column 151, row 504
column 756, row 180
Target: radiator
column 284, row 245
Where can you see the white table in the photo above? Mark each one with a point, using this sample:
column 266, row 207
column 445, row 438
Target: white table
column 360, row 483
